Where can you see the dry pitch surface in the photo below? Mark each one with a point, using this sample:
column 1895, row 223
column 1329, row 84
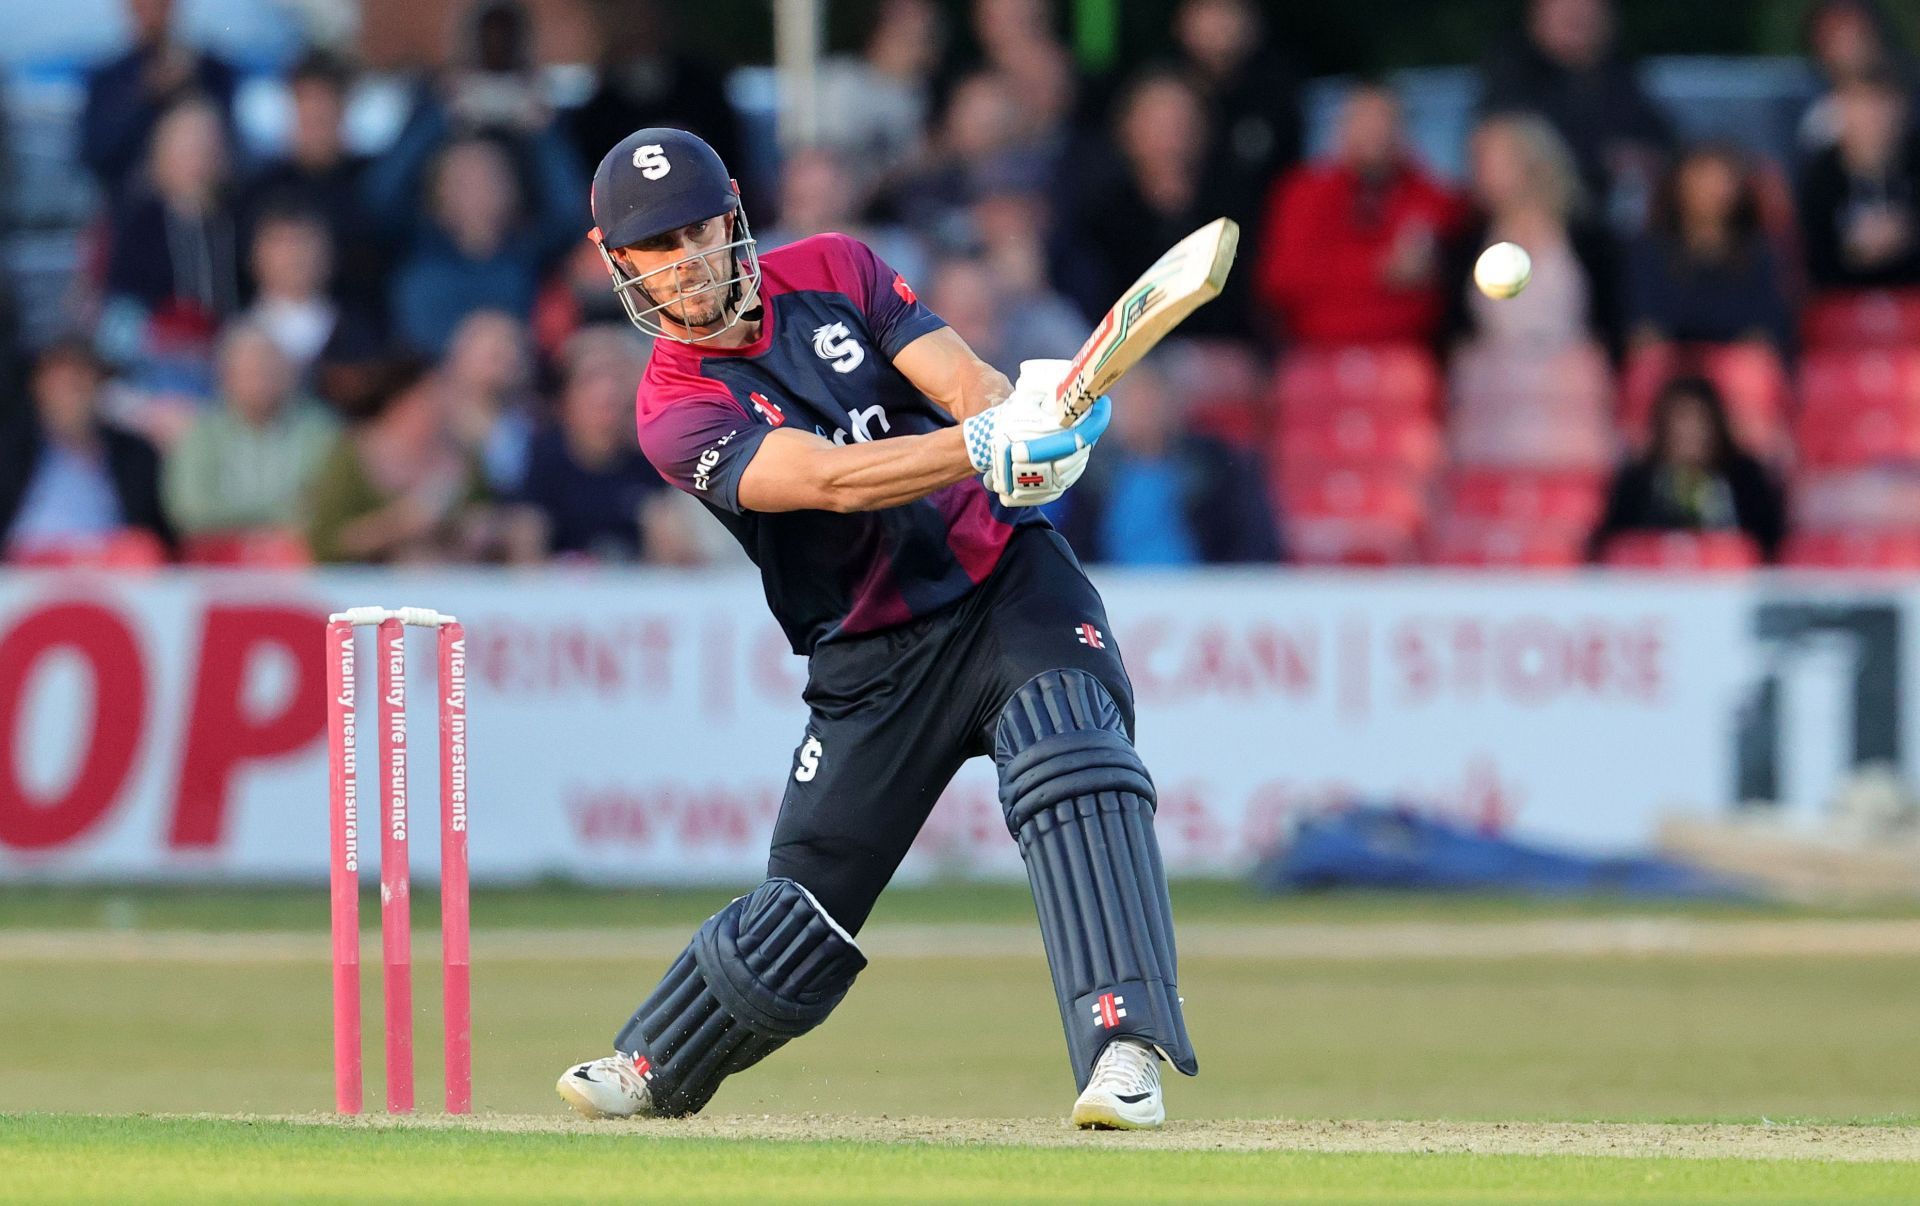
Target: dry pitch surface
column 1699, row 1141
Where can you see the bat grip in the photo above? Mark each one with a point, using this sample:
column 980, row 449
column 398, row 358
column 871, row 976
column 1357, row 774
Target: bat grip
column 1062, row 444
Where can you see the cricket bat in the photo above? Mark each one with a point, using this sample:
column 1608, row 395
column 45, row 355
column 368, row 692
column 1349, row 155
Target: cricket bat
column 1190, row 274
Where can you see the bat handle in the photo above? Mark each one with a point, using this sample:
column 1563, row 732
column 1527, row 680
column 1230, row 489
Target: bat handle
column 1065, row 443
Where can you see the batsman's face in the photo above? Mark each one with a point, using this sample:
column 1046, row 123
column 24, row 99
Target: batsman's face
column 686, row 271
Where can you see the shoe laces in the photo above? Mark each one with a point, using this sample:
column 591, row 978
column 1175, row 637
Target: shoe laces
column 624, row 1072
column 1126, row 1067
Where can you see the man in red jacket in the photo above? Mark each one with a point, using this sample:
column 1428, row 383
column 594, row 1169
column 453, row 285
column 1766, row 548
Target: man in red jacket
column 1352, row 246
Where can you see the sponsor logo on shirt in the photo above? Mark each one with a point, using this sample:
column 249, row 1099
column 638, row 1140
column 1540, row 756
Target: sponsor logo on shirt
column 703, row 468
column 768, row 411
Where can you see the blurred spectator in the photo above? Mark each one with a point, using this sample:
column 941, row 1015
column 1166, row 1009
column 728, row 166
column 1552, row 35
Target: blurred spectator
column 1860, row 201
column 319, row 174
column 981, row 135
column 399, row 487
column 1160, row 494
column 292, row 259
column 873, row 107
column 817, row 195
column 480, row 244
column 174, row 246
column 491, row 404
column 1252, row 96
column 577, row 296
column 1003, row 327
column 1018, row 41
column 1352, row 244
column 587, row 476
column 13, row 377
column 1694, row 476
column 1848, row 41
column 1566, row 68
column 247, row 467
column 67, row 477
column 126, row 96
column 646, row 80
column 1161, row 195
column 1526, row 189
column 1705, row 272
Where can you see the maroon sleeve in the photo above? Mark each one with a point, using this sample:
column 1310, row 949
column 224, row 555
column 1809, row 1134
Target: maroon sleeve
column 894, row 313
column 703, row 446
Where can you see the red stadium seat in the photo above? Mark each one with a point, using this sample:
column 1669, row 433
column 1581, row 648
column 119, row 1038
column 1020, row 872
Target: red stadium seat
column 1682, row 551
column 1497, row 543
column 127, row 549
column 1750, row 377
column 1399, row 380
column 1359, row 437
column 1335, row 515
column 1859, row 407
column 1854, row 500
column 1867, row 318
column 265, row 549
column 1854, row 550
column 1572, row 499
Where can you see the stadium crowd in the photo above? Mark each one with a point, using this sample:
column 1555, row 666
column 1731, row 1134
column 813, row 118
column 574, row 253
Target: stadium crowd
column 311, row 355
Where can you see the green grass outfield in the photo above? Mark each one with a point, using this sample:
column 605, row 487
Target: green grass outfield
column 52, row 1159
column 171, row 1001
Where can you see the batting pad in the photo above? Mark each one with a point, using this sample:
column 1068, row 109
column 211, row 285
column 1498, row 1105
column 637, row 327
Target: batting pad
column 1079, row 802
column 767, row 968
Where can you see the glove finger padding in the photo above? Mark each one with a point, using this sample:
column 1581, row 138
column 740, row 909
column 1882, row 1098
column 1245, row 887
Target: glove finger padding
column 1035, row 484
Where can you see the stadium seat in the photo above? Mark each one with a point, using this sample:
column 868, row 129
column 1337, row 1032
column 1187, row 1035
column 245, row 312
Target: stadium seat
column 1859, row 407
column 1505, row 543
column 127, row 549
column 1343, row 515
column 1750, row 377
column 1526, row 410
column 1854, row 550
column 1356, row 436
column 1854, row 499
column 1572, row 499
column 1866, row 318
column 266, row 549
column 1682, row 551
column 1398, row 380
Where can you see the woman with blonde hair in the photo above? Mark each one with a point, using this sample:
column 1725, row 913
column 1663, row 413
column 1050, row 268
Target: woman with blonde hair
column 1526, row 189
column 1531, row 382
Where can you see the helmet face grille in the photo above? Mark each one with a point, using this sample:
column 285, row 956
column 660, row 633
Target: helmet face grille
column 742, row 287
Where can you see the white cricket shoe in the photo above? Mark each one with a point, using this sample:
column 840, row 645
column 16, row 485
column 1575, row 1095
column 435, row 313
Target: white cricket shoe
column 1124, row 1091
column 611, row 1087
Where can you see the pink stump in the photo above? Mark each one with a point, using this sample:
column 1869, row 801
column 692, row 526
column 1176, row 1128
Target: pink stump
column 455, row 963
column 396, row 924
column 343, row 823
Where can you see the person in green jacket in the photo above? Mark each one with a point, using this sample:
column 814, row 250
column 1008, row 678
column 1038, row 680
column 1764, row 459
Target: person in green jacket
column 244, row 469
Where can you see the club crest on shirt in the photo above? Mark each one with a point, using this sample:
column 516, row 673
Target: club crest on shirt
column 834, row 342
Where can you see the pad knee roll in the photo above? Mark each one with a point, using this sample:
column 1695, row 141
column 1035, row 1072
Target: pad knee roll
column 767, row 968
column 1080, row 803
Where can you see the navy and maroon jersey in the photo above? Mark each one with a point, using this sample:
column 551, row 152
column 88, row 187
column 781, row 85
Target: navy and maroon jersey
column 834, row 317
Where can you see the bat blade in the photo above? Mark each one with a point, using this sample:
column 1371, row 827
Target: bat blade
column 1190, row 274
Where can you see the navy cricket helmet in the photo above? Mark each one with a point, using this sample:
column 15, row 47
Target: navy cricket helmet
column 653, row 182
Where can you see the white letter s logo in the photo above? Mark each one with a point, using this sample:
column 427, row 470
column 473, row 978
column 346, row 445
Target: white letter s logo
column 809, row 760
column 651, row 160
column 834, row 342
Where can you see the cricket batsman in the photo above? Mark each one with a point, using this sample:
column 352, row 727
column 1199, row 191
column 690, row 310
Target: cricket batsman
column 884, row 480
